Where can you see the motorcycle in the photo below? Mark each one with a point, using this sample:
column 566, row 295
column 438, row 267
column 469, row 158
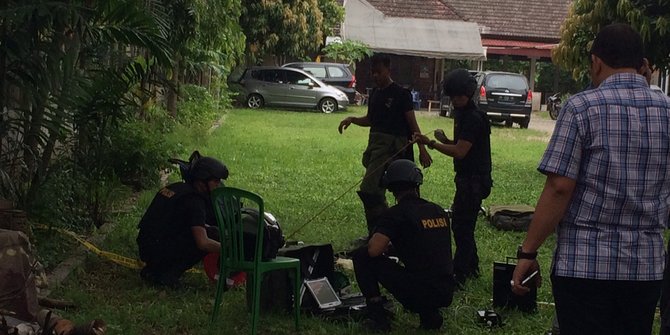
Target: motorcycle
column 554, row 105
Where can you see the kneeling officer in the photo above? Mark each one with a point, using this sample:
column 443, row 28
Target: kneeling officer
column 420, row 233
column 177, row 230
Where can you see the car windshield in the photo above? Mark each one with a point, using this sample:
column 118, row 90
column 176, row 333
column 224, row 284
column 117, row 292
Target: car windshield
column 319, row 72
column 506, row 81
column 336, row 72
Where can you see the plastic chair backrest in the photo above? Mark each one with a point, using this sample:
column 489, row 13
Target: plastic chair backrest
column 228, row 202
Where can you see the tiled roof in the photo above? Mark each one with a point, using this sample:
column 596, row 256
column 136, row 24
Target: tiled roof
column 521, row 19
column 423, row 9
column 517, row 44
column 534, row 20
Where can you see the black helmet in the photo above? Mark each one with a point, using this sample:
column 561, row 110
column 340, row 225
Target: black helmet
column 208, row 168
column 459, row 82
column 403, row 173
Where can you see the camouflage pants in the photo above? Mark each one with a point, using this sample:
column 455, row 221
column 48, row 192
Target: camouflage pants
column 381, row 147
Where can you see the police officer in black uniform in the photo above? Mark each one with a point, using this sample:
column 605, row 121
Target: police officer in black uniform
column 471, row 150
column 174, row 233
column 420, row 235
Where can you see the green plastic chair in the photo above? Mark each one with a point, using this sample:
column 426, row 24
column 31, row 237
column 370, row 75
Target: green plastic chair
column 227, row 202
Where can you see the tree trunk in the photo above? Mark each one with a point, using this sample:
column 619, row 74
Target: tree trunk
column 173, row 91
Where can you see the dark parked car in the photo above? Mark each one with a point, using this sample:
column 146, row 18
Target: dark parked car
column 334, row 74
column 505, row 97
column 289, row 87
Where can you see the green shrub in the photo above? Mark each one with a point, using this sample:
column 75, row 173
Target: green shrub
column 197, row 107
column 82, row 188
column 140, row 149
column 75, row 198
column 237, row 96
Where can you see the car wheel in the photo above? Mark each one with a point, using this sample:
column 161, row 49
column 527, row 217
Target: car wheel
column 524, row 123
column 327, row 105
column 255, row 101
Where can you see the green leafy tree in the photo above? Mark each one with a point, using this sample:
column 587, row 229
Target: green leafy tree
column 65, row 76
column 182, row 27
column 77, row 82
column 207, row 41
column 649, row 17
column 219, row 42
column 333, row 15
column 285, row 28
column 348, row 51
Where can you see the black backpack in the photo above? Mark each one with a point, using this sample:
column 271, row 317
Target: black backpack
column 273, row 238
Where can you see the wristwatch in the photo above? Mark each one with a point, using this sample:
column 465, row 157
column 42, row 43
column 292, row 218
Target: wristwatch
column 525, row 255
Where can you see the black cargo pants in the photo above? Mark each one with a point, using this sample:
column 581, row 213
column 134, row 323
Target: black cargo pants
column 418, row 292
column 470, row 191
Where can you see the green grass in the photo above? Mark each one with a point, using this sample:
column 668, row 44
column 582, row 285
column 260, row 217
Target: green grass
column 542, row 115
column 299, row 163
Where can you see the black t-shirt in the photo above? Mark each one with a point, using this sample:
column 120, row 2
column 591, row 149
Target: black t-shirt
column 387, row 108
column 419, row 231
column 173, row 211
column 472, row 125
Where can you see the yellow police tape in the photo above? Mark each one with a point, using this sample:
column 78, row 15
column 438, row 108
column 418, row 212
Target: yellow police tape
column 118, row 259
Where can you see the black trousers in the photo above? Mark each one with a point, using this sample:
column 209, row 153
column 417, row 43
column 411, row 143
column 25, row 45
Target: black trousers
column 416, row 292
column 470, row 191
column 665, row 297
column 607, row 307
column 169, row 258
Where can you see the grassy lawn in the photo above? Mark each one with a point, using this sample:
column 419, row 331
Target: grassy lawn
column 299, row 163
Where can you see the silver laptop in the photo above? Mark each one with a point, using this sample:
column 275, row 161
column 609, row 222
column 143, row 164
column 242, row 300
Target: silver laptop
column 323, row 293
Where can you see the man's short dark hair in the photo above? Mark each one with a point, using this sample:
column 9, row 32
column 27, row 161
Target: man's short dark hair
column 383, row 60
column 619, row 46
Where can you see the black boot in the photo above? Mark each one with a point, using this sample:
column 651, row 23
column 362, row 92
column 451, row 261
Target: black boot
column 377, row 319
column 431, row 320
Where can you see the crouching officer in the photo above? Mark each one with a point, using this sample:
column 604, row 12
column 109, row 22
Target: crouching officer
column 420, row 233
column 173, row 233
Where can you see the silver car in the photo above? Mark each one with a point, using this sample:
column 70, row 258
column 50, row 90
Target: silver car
column 280, row 86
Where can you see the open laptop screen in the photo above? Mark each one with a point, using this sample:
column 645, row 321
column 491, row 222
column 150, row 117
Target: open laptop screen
column 323, row 292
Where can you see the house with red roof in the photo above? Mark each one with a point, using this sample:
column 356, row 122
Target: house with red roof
column 420, row 34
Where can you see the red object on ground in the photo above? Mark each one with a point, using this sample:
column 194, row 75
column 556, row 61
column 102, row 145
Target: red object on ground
column 238, row 279
column 211, row 264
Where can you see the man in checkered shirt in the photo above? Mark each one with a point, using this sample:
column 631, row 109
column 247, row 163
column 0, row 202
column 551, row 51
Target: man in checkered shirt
column 606, row 196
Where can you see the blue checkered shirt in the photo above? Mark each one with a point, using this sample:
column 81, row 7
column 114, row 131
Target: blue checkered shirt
column 615, row 142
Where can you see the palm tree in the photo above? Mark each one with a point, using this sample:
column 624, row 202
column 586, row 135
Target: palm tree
column 64, row 76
